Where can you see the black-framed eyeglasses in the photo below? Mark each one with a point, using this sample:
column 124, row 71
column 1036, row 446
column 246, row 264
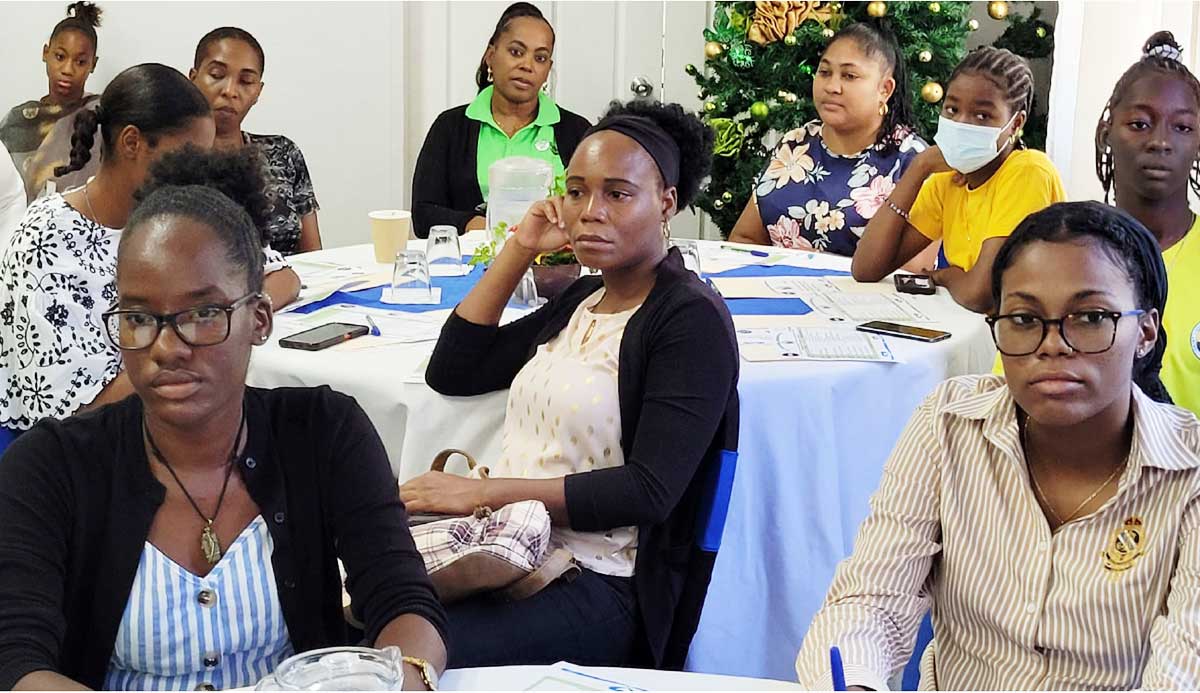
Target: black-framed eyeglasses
column 206, row 325
column 1088, row 331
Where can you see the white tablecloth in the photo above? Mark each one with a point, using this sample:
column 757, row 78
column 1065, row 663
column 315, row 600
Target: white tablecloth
column 572, row 677
column 813, row 440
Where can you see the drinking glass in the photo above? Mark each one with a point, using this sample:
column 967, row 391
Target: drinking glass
column 338, row 669
column 410, row 278
column 690, row 250
column 443, row 252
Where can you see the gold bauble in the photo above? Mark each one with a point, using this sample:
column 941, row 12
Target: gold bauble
column 1041, row 32
column 932, row 92
column 710, row 107
column 877, row 9
column 789, row 40
column 827, row 33
column 935, row 7
column 713, row 49
column 997, row 9
column 717, row 204
column 973, row 25
column 727, row 196
column 925, row 56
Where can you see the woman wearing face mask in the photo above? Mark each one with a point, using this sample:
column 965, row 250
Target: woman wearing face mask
column 829, row 177
column 38, row 133
column 972, row 188
column 1050, row 519
column 228, row 69
column 511, row 116
column 621, row 390
column 1148, row 154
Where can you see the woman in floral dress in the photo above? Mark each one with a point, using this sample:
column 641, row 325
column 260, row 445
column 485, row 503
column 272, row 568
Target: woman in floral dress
column 828, row 177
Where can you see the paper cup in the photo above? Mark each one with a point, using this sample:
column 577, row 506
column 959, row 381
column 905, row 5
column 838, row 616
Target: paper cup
column 389, row 232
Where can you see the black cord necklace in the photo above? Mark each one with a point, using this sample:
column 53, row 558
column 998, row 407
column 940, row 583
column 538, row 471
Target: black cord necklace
column 209, row 543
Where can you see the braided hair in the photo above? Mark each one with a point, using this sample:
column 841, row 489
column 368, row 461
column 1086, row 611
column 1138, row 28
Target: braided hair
column 154, row 98
column 1008, row 71
column 229, row 32
column 225, row 191
column 514, row 11
column 1160, row 55
column 878, row 41
column 1126, row 242
column 83, row 17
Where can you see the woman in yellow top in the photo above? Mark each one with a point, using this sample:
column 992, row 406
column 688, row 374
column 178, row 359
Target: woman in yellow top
column 972, row 188
column 1147, row 146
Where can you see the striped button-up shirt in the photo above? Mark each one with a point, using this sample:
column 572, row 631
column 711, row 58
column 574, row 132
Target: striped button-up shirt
column 1110, row 600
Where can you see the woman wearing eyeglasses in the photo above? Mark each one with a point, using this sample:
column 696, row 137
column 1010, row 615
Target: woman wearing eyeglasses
column 187, row 537
column 1050, row 520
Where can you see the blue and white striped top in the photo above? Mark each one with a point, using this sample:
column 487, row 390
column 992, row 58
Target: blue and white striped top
column 181, row 631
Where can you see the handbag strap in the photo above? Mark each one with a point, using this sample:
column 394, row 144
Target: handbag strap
column 560, row 563
column 440, row 459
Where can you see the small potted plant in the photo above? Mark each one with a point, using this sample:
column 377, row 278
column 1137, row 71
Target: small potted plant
column 554, row 271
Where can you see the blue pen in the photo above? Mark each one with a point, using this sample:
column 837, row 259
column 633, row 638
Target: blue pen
column 839, row 674
column 374, row 328
column 755, row 253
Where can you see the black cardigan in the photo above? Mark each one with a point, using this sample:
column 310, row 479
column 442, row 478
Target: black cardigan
column 677, row 388
column 446, row 181
column 77, row 498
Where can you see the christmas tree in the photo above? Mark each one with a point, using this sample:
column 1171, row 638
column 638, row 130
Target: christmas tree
column 759, row 63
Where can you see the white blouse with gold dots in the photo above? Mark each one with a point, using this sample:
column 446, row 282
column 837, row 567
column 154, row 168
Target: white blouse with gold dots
column 564, row 417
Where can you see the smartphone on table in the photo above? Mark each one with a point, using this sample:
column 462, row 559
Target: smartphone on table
column 324, row 336
column 892, row 329
column 915, row 284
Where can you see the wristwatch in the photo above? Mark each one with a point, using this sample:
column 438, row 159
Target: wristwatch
column 429, row 675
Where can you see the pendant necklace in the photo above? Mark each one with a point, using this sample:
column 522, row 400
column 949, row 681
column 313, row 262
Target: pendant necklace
column 210, row 545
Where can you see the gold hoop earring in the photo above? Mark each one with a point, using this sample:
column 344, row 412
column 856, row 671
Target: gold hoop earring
column 883, row 109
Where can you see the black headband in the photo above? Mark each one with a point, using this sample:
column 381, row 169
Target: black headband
column 658, row 144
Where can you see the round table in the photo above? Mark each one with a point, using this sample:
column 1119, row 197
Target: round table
column 814, row 437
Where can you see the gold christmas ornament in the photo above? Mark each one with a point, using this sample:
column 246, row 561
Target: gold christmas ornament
column 877, row 9
column 789, row 40
column 827, row 33
column 932, row 92
column 713, row 49
column 787, row 96
column 973, row 25
column 935, row 7
column 718, row 203
column 759, row 111
column 710, row 107
column 925, row 56
column 774, row 20
column 727, row 196
column 997, row 9
column 1041, row 32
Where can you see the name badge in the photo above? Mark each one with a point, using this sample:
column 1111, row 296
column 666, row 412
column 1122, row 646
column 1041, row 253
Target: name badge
column 542, row 145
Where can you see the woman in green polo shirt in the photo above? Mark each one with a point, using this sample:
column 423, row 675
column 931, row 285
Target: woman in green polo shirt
column 511, row 116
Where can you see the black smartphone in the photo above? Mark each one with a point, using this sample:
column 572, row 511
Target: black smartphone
column 891, row 329
column 914, row 284
column 323, row 337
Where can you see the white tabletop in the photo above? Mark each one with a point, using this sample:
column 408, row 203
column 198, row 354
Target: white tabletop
column 566, row 677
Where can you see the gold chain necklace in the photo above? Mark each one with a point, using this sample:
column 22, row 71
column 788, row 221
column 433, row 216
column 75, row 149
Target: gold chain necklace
column 1037, row 488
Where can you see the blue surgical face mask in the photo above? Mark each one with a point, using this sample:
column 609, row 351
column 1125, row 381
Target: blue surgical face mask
column 968, row 148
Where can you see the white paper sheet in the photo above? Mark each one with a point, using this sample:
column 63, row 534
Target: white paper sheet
column 862, row 307
column 771, row 287
column 812, row 344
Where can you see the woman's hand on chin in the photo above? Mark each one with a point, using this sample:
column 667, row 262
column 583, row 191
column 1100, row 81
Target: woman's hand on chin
column 438, row 492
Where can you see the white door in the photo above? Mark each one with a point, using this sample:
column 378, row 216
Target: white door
column 625, row 50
